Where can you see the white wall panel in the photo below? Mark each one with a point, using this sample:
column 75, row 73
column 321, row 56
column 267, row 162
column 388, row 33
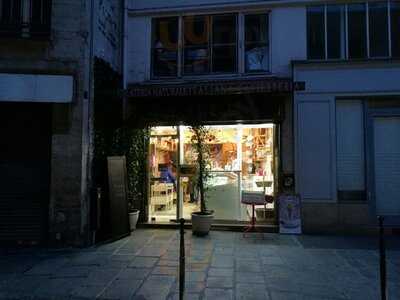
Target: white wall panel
column 288, row 38
column 314, row 150
column 350, row 78
column 138, row 47
column 36, row 88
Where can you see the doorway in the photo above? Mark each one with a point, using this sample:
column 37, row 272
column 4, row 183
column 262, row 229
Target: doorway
column 242, row 158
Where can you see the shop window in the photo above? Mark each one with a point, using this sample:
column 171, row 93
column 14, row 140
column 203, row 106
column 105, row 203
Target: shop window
column 335, row 15
column 378, row 29
column 224, row 44
column 256, row 43
column 316, row 32
column 350, row 150
column 395, row 28
column 165, row 47
column 196, row 44
column 357, row 30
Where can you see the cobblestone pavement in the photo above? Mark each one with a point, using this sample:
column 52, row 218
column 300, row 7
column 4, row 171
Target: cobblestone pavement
column 224, row 265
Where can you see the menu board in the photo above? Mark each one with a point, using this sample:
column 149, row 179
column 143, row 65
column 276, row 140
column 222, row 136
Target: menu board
column 289, row 214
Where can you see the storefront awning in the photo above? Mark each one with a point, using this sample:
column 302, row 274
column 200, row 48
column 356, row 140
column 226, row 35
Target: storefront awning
column 215, row 87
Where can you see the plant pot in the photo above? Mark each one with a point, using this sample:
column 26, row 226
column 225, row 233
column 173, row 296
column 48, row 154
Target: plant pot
column 133, row 218
column 201, row 223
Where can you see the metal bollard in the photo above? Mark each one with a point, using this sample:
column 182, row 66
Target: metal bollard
column 182, row 259
column 382, row 258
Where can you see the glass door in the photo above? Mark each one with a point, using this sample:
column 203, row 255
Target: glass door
column 163, row 174
column 222, row 186
column 258, row 166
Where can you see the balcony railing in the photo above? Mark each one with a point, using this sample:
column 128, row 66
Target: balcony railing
column 25, row 18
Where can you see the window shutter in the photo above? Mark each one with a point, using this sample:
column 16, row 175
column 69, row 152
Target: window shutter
column 350, row 145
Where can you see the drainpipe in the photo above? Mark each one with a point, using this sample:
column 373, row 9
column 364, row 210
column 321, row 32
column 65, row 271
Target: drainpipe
column 87, row 136
column 124, row 69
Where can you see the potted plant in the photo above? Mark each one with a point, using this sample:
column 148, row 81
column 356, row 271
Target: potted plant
column 133, row 217
column 201, row 220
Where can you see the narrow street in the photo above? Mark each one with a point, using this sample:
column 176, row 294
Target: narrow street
column 224, row 265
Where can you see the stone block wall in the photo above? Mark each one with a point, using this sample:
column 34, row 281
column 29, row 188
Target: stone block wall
column 67, row 53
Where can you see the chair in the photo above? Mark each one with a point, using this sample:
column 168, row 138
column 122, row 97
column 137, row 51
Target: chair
column 161, row 195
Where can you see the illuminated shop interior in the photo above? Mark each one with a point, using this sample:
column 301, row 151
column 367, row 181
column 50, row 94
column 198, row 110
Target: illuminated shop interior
column 241, row 159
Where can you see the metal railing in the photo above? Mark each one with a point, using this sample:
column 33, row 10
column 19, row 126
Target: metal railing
column 25, row 18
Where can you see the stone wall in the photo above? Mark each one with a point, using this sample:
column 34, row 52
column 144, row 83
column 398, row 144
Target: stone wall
column 66, row 52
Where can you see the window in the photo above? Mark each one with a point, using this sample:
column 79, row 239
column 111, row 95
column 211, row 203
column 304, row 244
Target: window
column 350, row 150
column 357, row 30
column 395, row 27
column 316, row 32
column 209, row 44
column 224, row 44
column 165, row 47
column 335, row 23
column 209, row 50
column 256, row 42
column 25, row 18
column 354, row 31
column 196, row 44
column 378, row 29
column 10, row 11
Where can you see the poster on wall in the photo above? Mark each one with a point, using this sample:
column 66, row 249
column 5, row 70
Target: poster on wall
column 289, row 214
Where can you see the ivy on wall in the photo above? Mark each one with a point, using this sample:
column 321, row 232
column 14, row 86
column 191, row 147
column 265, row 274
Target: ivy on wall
column 113, row 138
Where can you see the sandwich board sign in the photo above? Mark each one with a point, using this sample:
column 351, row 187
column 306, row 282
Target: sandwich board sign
column 289, row 213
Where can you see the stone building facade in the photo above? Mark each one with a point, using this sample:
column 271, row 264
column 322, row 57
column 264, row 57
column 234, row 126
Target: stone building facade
column 334, row 131
column 47, row 51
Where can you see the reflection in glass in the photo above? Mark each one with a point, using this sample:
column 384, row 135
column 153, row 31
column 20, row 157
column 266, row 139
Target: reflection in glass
column 165, row 47
column 223, row 195
column 196, row 44
column 378, row 29
column 256, row 43
column 357, row 31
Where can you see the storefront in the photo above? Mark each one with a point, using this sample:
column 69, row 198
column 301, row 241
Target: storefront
column 241, row 158
column 249, row 122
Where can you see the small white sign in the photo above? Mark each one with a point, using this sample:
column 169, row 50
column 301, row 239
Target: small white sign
column 257, row 198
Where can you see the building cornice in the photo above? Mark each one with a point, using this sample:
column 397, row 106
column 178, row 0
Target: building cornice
column 242, row 6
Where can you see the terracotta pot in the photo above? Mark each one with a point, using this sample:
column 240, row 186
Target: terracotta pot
column 201, row 223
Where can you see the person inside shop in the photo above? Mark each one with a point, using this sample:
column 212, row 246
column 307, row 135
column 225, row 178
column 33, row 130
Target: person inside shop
column 166, row 174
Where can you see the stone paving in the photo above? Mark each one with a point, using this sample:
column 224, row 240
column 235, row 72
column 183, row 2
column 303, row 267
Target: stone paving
column 224, row 265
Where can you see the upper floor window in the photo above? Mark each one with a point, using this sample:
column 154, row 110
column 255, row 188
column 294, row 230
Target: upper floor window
column 165, row 46
column 353, row 31
column 395, row 28
column 256, row 42
column 25, row 18
column 209, row 44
